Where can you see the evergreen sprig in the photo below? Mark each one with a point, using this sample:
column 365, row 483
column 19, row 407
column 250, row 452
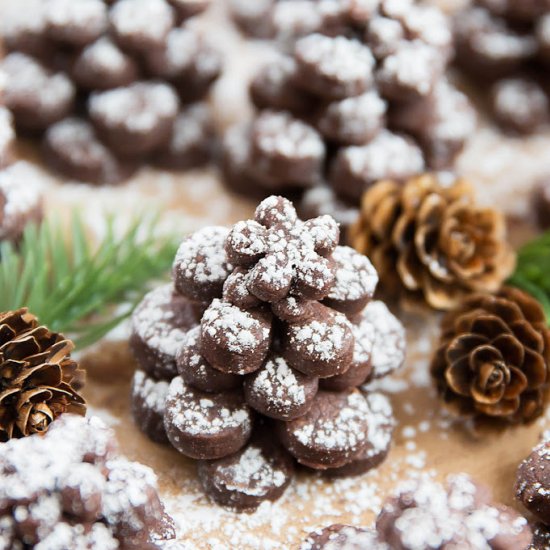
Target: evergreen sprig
column 533, row 270
column 79, row 286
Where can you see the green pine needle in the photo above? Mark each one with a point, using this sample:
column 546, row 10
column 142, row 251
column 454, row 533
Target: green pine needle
column 533, row 270
column 75, row 285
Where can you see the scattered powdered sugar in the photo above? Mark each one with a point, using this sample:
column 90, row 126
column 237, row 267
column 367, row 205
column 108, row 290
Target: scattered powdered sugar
column 138, row 108
column 337, row 58
column 65, row 535
column 254, row 474
column 201, row 257
column 195, row 415
column 155, row 322
column 151, row 18
column 238, row 328
column 355, row 275
column 386, row 155
column 152, row 392
column 388, row 352
column 278, row 383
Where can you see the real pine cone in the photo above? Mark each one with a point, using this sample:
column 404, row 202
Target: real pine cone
column 38, row 378
column 431, row 241
column 494, row 357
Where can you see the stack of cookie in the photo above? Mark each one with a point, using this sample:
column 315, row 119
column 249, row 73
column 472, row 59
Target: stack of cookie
column 107, row 85
column 505, row 47
column 260, row 351
column 363, row 97
column 70, row 488
column 20, row 197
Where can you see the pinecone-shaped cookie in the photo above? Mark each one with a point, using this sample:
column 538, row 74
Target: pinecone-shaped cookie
column 272, row 327
column 494, row 357
column 38, row 379
column 125, row 81
column 431, row 241
column 340, row 105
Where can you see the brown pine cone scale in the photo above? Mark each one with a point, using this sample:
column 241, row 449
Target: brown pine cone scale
column 38, row 378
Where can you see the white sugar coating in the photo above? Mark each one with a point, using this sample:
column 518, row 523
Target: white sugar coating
column 387, row 155
column 364, row 336
column 321, row 340
column 490, row 37
column 430, row 25
column 27, row 77
column 64, row 535
column 384, row 35
column 194, row 415
column 354, row 116
column 248, row 237
column 7, row 133
column 414, row 65
column 149, row 18
column 356, row 277
column 239, row 331
column 152, row 392
column 388, row 352
column 453, row 116
column 344, row 430
column 21, row 185
column 323, row 200
column 191, row 128
column 104, row 55
column 180, row 50
column 279, row 133
column 254, row 474
column 296, row 18
column 138, row 108
column 337, row 58
column 155, row 322
column 278, row 383
column 87, row 14
column 519, row 99
column 201, row 257
column 380, row 423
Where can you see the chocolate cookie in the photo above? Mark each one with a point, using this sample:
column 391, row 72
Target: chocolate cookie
column 533, row 482
column 541, row 203
column 159, row 328
column 137, row 119
column 355, row 281
column 253, row 18
column 519, row 105
column 197, row 372
column 286, row 150
column 203, row 425
column 148, row 400
column 389, row 347
column 360, row 368
column 201, row 265
column 279, row 391
column 71, row 148
column 102, row 65
column 343, row 537
column 76, row 23
column 333, row 68
column 380, row 431
column 141, row 25
column 387, row 156
column 191, row 143
column 353, row 120
column 36, row 96
column 260, row 471
column 321, row 346
column 331, row 433
column 234, row 340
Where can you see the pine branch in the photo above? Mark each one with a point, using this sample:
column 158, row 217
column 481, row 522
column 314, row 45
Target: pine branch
column 533, row 270
column 74, row 286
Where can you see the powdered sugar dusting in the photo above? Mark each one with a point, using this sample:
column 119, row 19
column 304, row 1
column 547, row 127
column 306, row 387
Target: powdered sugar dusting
column 152, row 392
column 148, row 17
